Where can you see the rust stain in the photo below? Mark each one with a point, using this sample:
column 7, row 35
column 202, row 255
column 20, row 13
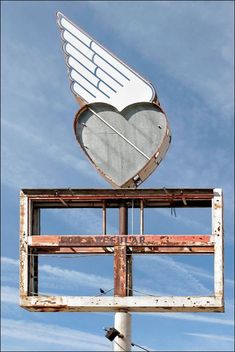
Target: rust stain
column 217, row 206
column 120, row 274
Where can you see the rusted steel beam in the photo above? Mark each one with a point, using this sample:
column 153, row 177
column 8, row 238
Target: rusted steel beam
column 120, row 271
column 128, row 240
column 173, row 250
column 132, row 250
column 72, row 250
column 118, row 193
column 80, row 198
column 115, row 204
column 123, row 197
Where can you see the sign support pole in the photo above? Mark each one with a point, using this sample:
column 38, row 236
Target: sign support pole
column 122, row 322
column 122, row 284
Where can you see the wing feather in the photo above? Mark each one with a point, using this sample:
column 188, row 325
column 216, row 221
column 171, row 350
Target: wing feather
column 77, row 77
column 112, row 61
column 80, row 91
column 66, row 24
column 85, row 50
column 96, row 74
column 107, row 68
column 108, row 79
column 77, row 66
column 71, row 51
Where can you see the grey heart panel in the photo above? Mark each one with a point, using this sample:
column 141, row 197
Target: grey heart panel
column 121, row 144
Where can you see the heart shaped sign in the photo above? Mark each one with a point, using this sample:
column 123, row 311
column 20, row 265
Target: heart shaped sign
column 125, row 147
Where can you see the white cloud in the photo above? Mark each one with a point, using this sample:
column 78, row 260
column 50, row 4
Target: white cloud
column 196, row 317
column 211, row 336
column 7, row 260
column 21, row 168
column 174, row 278
column 175, row 270
column 42, row 336
column 9, row 294
column 80, row 219
column 185, row 220
column 81, row 278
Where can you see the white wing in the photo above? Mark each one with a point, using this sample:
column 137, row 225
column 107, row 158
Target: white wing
column 97, row 75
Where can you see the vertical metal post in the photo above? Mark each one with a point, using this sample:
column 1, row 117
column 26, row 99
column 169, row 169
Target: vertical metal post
column 218, row 232
column 141, row 216
column 122, row 284
column 33, row 259
column 24, row 268
column 104, row 217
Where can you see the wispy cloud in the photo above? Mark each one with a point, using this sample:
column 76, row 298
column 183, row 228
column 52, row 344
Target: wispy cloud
column 9, row 294
column 197, row 317
column 174, row 278
column 7, row 260
column 46, row 335
column 45, row 131
column 81, row 278
column 187, row 220
column 51, row 274
column 191, row 52
column 85, row 221
column 211, row 336
column 21, row 171
column 176, row 271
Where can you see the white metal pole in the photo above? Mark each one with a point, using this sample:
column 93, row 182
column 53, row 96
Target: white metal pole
column 122, row 322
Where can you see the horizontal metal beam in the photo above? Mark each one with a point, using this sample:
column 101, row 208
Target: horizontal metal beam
column 93, row 198
column 132, row 250
column 131, row 304
column 114, row 240
column 118, row 193
column 72, row 250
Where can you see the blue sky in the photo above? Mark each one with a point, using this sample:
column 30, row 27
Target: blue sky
column 186, row 50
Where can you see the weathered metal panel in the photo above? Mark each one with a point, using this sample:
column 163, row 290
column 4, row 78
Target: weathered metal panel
column 127, row 146
column 128, row 240
column 132, row 304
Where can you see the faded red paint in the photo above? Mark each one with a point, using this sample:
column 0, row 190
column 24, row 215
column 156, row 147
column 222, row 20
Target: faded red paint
column 113, row 240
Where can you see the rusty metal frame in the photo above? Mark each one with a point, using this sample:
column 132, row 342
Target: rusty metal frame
column 121, row 245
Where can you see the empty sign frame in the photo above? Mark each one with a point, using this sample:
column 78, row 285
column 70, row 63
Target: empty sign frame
column 121, row 246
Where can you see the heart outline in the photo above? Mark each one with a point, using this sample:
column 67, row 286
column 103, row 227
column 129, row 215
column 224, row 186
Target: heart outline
column 145, row 171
